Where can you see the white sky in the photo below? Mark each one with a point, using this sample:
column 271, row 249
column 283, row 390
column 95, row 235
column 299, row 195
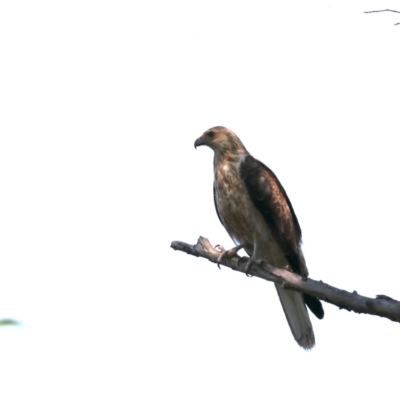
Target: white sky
column 101, row 103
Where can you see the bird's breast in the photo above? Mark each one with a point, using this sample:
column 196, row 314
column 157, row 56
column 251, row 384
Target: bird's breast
column 239, row 215
column 233, row 203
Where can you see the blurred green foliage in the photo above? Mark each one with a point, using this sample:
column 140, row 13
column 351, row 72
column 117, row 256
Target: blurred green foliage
column 7, row 322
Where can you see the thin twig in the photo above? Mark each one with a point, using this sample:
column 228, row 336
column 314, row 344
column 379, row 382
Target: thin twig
column 382, row 306
column 376, row 11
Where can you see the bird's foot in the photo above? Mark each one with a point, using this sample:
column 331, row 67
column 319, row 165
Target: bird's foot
column 247, row 267
column 226, row 254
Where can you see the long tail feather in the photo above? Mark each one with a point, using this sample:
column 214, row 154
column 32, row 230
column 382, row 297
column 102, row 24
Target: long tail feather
column 297, row 317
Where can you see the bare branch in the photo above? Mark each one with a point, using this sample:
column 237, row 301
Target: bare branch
column 387, row 10
column 376, row 11
column 382, row 306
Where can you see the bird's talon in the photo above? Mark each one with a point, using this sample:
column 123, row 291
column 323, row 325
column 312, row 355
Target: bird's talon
column 227, row 254
column 220, row 248
column 247, row 267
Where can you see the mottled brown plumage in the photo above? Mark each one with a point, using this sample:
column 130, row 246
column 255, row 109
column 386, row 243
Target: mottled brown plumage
column 256, row 212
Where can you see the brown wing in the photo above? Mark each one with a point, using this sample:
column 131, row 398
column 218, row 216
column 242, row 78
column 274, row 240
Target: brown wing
column 271, row 200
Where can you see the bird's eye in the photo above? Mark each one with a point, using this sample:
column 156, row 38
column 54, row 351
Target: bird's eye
column 211, row 134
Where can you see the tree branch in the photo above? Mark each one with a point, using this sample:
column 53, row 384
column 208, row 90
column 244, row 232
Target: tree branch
column 377, row 11
column 382, row 305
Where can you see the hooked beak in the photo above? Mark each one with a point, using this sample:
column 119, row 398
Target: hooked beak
column 199, row 142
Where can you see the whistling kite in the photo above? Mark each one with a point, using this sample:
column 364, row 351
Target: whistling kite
column 255, row 210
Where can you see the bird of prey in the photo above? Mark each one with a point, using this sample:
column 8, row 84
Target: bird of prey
column 255, row 210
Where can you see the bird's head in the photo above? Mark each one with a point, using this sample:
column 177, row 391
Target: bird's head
column 221, row 140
